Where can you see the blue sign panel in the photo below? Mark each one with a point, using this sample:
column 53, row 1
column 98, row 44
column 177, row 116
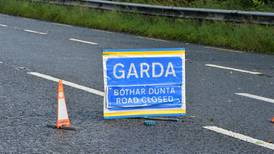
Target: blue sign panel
column 142, row 82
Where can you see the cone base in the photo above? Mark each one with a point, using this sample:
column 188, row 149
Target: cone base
column 63, row 127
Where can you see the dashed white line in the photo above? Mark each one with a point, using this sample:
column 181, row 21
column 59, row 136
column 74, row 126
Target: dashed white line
column 269, row 100
column 229, row 50
column 82, row 41
column 153, row 39
column 233, row 69
column 2, row 25
column 77, row 86
column 102, row 31
column 35, row 32
column 240, row 137
column 65, row 25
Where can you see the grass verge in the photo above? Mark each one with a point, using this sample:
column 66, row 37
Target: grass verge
column 248, row 37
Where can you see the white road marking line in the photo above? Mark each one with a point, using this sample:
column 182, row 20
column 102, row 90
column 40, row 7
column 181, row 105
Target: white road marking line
column 229, row 50
column 240, row 137
column 269, row 100
column 102, row 31
column 153, row 39
column 59, row 24
column 35, row 32
column 82, row 41
column 2, row 25
column 87, row 89
column 233, row 69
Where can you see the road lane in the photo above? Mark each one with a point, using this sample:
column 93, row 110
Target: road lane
column 28, row 108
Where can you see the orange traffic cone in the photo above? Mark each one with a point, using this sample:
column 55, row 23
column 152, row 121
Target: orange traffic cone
column 272, row 120
column 62, row 113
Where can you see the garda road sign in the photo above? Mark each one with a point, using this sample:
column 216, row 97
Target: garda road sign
column 144, row 82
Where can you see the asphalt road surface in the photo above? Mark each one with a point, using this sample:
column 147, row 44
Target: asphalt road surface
column 230, row 95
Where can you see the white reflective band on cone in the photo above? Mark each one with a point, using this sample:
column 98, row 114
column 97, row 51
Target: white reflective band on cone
column 62, row 110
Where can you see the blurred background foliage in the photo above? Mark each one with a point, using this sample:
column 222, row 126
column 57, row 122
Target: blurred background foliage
column 252, row 5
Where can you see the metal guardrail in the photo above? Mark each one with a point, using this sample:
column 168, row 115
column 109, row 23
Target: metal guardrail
column 180, row 12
